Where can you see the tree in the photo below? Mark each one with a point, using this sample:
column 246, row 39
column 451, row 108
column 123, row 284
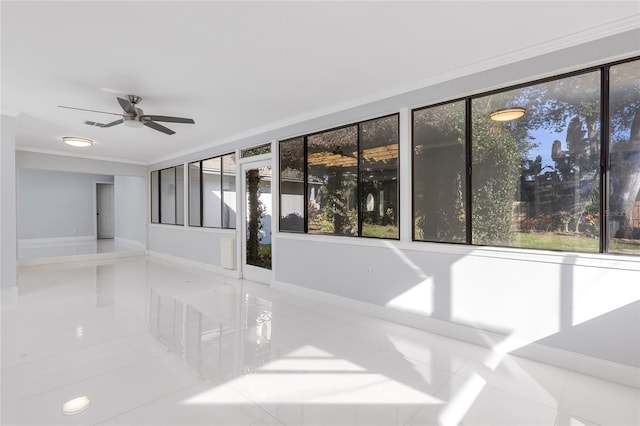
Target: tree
column 496, row 165
column 256, row 213
column 439, row 173
column 625, row 147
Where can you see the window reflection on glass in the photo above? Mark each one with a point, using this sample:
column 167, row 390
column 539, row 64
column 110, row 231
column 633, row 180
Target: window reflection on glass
column 379, row 177
column 179, row 206
column 258, row 150
column 155, row 207
column 258, row 314
column 211, row 192
column 332, row 164
column 213, row 342
column 292, row 185
column 194, row 194
column 535, row 180
column 624, row 124
column 229, row 191
column 168, row 196
column 439, row 173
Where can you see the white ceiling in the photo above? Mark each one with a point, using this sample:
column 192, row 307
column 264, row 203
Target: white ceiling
column 240, row 68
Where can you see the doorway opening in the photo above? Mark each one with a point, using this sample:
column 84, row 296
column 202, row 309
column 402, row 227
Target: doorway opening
column 257, row 213
column 104, row 211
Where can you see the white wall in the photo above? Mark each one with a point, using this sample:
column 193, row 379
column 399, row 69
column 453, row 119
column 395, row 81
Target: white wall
column 130, row 201
column 522, row 301
column 53, row 204
column 587, row 304
column 130, row 221
column 193, row 244
column 8, row 250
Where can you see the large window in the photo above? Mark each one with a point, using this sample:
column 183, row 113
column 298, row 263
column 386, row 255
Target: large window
column 378, row 154
column 533, row 166
column 332, row 181
column 624, row 177
column 292, row 178
column 167, row 196
column 212, row 192
column 342, row 181
column 439, row 173
column 536, row 179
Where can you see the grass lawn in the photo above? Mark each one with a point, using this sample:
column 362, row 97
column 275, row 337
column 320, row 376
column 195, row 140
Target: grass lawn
column 552, row 241
column 380, row 231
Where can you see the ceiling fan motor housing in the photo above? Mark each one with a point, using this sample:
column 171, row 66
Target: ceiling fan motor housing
column 134, row 99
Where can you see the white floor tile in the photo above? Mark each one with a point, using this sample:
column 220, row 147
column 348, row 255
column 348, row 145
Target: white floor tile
column 600, row 401
column 469, row 401
column 31, row 378
column 527, row 379
column 70, row 340
column 110, row 394
column 438, row 351
column 154, row 343
column 205, row 403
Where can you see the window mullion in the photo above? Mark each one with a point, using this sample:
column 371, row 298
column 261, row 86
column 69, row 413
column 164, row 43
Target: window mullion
column 468, row 168
column 200, row 172
column 604, row 160
column 358, row 183
column 305, row 178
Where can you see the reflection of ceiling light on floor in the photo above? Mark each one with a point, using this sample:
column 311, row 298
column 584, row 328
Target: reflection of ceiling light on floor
column 76, row 405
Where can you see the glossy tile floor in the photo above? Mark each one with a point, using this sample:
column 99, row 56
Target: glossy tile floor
column 151, row 343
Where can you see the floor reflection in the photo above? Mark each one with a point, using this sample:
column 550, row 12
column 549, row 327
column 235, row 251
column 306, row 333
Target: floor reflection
column 214, row 345
column 150, row 342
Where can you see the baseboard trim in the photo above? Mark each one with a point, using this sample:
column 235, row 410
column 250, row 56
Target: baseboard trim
column 194, row 264
column 31, row 242
column 608, row 370
column 127, row 241
column 79, row 258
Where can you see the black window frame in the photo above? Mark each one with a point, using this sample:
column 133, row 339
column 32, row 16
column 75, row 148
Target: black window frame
column 159, row 195
column 201, row 188
column 358, row 179
column 604, row 166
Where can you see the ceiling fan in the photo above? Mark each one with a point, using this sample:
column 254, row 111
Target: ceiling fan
column 135, row 117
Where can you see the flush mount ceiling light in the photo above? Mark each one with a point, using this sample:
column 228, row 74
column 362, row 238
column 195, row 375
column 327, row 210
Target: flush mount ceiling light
column 507, row 114
column 76, row 405
column 79, row 142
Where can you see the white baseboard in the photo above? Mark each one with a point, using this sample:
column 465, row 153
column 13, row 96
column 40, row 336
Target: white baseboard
column 127, row 241
column 36, row 242
column 614, row 372
column 73, row 258
column 195, row 264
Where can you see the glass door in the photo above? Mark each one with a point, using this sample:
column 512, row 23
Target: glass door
column 257, row 213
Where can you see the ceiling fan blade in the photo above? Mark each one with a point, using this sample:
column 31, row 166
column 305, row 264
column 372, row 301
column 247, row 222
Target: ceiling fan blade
column 158, row 127
column 169, row 119
column 127, row 106
column 90, row 110
column 113, row 123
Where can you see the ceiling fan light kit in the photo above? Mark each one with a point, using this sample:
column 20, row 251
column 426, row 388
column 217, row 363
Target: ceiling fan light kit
column 133, row 116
